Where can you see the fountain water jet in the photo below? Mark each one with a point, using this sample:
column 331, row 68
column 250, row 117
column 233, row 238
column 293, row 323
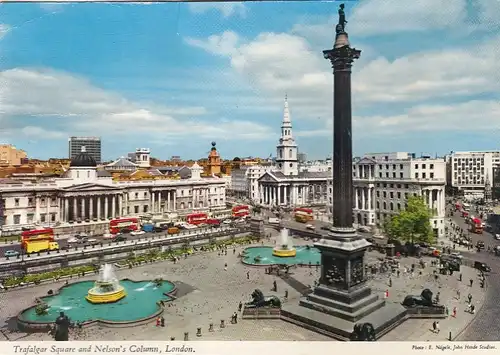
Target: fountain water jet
column 285, row 248
column 107, row 288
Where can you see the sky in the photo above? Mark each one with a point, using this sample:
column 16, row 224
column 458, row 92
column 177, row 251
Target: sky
column 173, row 77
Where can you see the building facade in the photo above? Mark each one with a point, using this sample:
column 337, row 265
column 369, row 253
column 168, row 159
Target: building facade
column 85, row 197
column 91, row 144
column 11, row 156
column 468, row 171
column 141, row 157
column 383, row 182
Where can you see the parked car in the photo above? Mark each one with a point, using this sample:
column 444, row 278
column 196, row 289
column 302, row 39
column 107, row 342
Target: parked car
column 92, row 241
column 137, row 232
column 227, row 221
column 481, row 266
column 11, row 253
column 310, row 227
column 456, row 255
column 108, row 236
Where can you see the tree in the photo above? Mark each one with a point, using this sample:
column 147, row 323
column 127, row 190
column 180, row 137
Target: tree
column 413, row 224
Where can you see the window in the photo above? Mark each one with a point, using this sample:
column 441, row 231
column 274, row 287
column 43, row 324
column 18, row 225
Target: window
column 16, row 202
column 423, row 166
column 399, row 186
column 136, row 209
column 281, row 153
column 290, row 153
column 394, row 175
column 378, row 193
column 401, row 166
column 384, row 194
column 406, row 186
column 391, row 205
column 30, row 201
column 136, row 195
column 400, row 175
column 145, row 209
column 392, row 194
column 399, row 194
column 30, row 217
column 52, row 217
column 431, row 166
column 394, row 166
column 431, row 175
column 399, row 207
column 145, row 195
column 17, row 219
column 416, row 175
column 416, row 166
column 380, row 175
column 386, row 175
column 88, row 174
column 43, row 218
column 424, row 175
column 291, row 165
column 279, row 165
column 385, row 206
column 378, row 205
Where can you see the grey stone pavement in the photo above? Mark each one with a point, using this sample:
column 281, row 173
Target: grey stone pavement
column 216, row 294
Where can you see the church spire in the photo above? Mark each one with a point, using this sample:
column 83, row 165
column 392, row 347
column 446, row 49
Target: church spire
column 286, row 112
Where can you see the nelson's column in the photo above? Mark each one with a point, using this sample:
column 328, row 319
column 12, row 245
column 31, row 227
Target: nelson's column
column 343, row 300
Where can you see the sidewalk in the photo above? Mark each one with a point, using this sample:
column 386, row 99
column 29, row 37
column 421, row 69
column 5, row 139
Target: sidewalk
column 421, row 329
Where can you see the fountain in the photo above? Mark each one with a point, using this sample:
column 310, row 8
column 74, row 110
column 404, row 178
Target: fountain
column 285, row 248
column 107, row 288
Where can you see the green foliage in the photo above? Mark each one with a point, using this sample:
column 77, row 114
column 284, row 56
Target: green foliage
column 50, row 275
column 413, row 224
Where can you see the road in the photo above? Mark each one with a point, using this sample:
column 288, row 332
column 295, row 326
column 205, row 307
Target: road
column 63, row 243
column 485, row 326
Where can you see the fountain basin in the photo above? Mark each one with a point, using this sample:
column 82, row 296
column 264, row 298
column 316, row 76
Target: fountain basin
column 304, row 255
column 284, row 253
column 141, row 305
column 98, row 293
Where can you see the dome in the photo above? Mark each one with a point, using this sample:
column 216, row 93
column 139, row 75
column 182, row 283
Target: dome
column 83, row 160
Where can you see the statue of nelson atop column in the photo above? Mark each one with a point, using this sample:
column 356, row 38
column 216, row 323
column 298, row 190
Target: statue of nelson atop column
column 342, row 21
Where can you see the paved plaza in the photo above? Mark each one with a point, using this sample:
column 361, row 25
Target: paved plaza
column 209, row 294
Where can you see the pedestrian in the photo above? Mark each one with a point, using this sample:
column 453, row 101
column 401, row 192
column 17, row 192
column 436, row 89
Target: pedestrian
column 460, row 277
column 434, row 326
column 398, row 273
column 437, row 327
column 248, row 275
column 458, row 294
column 469, row 297
column 240, row 306
column 225, row 267
column 275, row 286
column 286, row 294
column 472, row 309
column 471, row 282
column 454, row 312
column 390, row 282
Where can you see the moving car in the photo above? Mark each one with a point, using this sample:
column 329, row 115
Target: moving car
column 10, row 253
column 92, row 241
column 227, row 221
column 73, row 240
column 119, row 238
column 310, row 227
column 108, row 236
column 456, row 255
column 137, row 232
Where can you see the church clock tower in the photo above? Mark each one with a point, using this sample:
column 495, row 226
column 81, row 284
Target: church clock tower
column 286, row 150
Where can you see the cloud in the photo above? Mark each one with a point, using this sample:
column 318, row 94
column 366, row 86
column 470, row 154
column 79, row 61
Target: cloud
column 275, row 63
column 227, row 9
column 376, row 17
column 473, row 116
column 55, row 99
column 4, row 29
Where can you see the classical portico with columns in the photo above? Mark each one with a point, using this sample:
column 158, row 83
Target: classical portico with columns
column 88, row 197
column 285, row 185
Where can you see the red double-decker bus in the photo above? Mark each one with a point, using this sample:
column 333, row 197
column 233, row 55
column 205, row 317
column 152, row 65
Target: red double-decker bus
column 240, row 211
column 476, row 226
column 38, row 234
column 118, row 225
column 197, row 218
column 305, row 213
